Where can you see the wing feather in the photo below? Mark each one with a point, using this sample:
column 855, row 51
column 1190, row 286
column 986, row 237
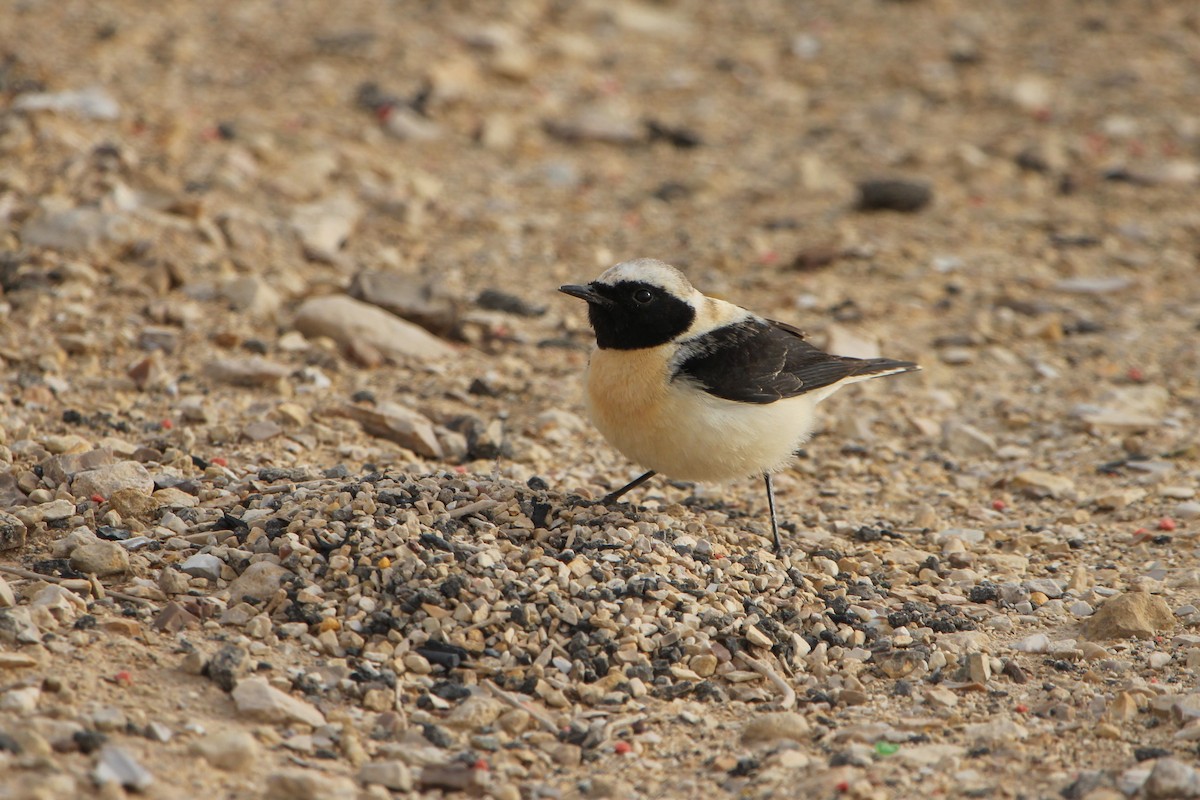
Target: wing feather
column 762, row 361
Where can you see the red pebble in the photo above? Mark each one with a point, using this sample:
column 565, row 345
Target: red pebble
column 220, row 461
column 97, row 498
column 621, row 748
column 769, row 257
column 1135, row 374
column 842, row 786
column 1166, row 524
column 124, row 677
column 460, row 469
column 167, row 424
column 999, row 505
column 1022, row 708
column 481, row 764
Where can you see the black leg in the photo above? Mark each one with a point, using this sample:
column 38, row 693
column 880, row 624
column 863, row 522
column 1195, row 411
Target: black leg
column 613, row 497
column 771, row 505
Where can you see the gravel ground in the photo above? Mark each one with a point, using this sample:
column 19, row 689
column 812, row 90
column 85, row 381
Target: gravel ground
column 299, row 498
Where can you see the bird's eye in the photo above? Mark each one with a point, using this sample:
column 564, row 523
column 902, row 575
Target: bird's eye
column 643, row 296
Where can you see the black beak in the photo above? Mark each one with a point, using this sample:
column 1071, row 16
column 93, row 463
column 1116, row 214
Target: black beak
column 585, row 293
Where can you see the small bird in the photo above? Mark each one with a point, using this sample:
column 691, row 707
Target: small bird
column 700, row 389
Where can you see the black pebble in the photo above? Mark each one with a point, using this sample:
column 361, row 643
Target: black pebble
column 893, row 195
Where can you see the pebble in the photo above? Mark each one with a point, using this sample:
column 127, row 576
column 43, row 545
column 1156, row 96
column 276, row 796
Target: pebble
column 891, row 194
column 105, row 481
column 260, row 581
column 12, row 532
column 233, row 751
column 8, row 598
column 774, row 726
column 1183, row 511
column 228, row 665
column 1037, row 483
column 257, row 699
column 133, row 504
column 325, row 225
column 1135, row 614
column 408, row 298
column 394, row 775
column 22, row 700
column 353, row 323
column 407, row 428
column 116, row 765
column 103, row 559
column 250, row 371
column 303, row 784
column 1171, row 778
column 202, row 565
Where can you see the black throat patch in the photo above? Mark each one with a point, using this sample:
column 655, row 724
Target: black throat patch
column 637, row 315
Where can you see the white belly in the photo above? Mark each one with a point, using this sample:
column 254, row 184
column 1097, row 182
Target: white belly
column 684, row 432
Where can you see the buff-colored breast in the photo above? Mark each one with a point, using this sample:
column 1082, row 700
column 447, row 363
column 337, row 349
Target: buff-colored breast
column 682, row 431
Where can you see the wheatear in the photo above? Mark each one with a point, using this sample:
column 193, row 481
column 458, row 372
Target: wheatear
column 700, row 389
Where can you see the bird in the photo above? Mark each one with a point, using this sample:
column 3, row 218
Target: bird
column 699, row 389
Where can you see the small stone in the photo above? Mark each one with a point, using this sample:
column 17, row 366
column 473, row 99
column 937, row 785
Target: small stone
column 454, row 777
column 257, row 699
column 1135, row 614
column 774, row 726
column 596, row 124
column 325, row 225
column 757, row 638
column 704, row 664
column 104, row 481
column 1119, row 499
column 52, row 511
column 12, row 532
column 1183, row 511
column 261, row 431
column 1034, row 643
column 999, row 730
column 405, row 427
column 967, row 441
column 474, row 713
column 1037, row 483
column 158, row 732
column 203, row 565
column 253, row 297
column 515, row 721
column 394, row 775
column 133, row 503
column 252, row 371
column 22, row 700
column 174, row 618
column 407, row 125
column 930, row 755
column 348, row 322
column 16, row 660
column 407, row 298
column 979, row 667
column 1171, row 778
column 261, row 581
column 233, row 751
column 117, row 765
column 93, row 102
column 893, row 195
column 102, row 559
column 8, row 599
column 303, row 784
column 1081, row 608
column 75, row 229
column 228, row 665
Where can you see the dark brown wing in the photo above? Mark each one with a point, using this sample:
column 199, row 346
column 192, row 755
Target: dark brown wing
column 762, row 361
